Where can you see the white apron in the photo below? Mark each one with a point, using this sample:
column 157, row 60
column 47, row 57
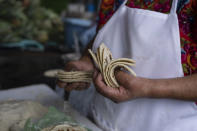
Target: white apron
column 152, row 40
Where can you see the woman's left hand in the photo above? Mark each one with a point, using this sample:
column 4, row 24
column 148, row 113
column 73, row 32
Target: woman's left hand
column 131, row 87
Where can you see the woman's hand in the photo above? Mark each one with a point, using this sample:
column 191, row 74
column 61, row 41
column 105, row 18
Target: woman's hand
column 84, row 64
column 182, row 88
column 130, row 87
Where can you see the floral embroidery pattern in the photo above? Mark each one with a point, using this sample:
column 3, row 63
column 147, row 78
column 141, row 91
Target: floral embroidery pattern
column 187, row 19
column 162, row 6
column 186, row 11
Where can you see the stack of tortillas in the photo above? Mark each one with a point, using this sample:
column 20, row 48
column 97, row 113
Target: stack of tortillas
column 65, row 127
column 74, row 76
column 106, row 64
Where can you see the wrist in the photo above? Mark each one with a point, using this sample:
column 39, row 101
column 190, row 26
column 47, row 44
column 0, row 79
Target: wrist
column 140, row 87
column 160, row 89
column 145, row 86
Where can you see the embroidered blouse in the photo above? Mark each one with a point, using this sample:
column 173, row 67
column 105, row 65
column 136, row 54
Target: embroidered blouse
column 186, row 11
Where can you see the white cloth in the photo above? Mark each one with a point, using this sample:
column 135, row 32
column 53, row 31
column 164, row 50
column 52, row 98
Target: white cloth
column 152, row 40
column 80, row 100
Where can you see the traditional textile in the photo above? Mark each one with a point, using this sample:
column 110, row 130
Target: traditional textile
column 186, row 11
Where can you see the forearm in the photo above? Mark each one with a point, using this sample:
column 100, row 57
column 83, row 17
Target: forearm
column 184, row 88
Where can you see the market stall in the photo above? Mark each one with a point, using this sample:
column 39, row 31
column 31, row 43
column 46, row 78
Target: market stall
column 41, row 94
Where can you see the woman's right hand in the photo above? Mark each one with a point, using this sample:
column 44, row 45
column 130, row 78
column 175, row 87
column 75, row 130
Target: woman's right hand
column 84, row 64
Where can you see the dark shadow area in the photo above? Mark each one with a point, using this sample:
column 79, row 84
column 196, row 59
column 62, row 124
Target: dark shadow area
column 21, row 68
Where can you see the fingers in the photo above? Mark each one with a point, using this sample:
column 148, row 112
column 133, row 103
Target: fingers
column 73, row 66
column 73, row 86
column 70, row 66
column 115, row 94
column 77, row 86
column 61, row 84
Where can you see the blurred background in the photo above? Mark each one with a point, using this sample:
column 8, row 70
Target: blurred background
column 39, row 36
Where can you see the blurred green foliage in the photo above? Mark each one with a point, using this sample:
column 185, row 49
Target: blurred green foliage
column 56, row 6
column 27, row 19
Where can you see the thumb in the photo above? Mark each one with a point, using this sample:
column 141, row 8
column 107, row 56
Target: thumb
column 122, row 78
column 96, row 72
column 71, row 66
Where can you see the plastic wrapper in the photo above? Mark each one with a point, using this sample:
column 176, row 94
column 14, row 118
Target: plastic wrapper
column 52, row 120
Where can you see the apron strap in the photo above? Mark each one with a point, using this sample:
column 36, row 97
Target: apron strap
column 174, row 7
column 124, row 2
